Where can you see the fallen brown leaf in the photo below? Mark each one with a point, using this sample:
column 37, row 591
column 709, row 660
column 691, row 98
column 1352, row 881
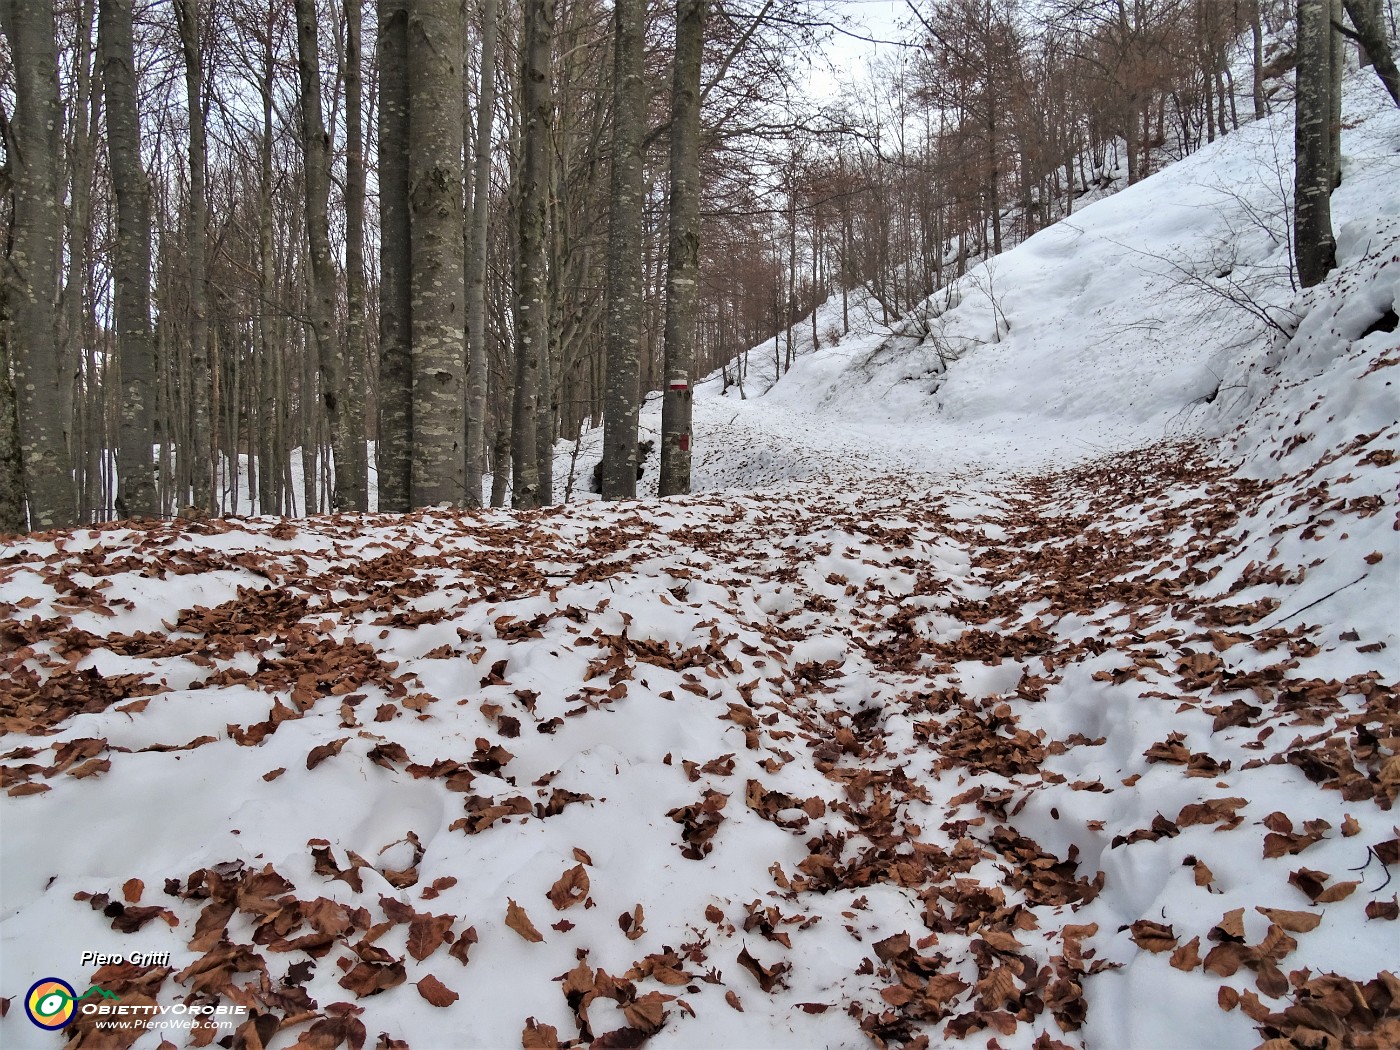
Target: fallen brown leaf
column 570, row 888
column 319, row 754
column 1188, row 956
column 437, row 993
column 768, row 977
column 1152, row 936
column 539, row 1036
column 519, row 921
column 426, row 933
column 1293, row 921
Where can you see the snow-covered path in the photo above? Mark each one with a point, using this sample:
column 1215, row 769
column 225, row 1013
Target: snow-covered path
column 763, row 770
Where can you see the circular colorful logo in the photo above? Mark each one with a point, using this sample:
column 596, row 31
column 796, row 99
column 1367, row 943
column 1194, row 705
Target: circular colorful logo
column 50, row 1003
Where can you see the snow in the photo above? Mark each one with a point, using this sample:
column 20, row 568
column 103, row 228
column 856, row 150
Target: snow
column 1014, row 650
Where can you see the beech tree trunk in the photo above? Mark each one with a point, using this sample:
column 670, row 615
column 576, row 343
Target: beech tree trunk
column 32, row 263
column 683, row 256
column 349, row 487
column 1370, row 29
column 1335, row 70
column 476, row 258
column 268, row 385
column 532, row 340
column 394, row 432
column 624, row 322
column 1314, row 246
column 437, row 41
column 131, row 272
column 76, row 327
column 11, row 462
column 353, row 390
column 1256, row 23
column 196, row 231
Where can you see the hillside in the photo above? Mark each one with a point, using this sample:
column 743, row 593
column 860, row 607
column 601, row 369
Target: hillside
column 1036, row 692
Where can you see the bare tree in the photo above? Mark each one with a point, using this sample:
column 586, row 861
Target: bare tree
column 620, row 407
column 350, row 482
column 32, row 263
column 1370, row 33
column 352, row 402
column 683, row 255
column 132, row 270
column 394, row 450
column 532, row 340
column 437, row 41
column 11, row 462
column 476, row 257
column 1313, row 241
column 197, row 232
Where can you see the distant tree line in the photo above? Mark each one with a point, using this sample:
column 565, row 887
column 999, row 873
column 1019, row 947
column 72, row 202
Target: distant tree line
column 236, row 229
column 252, row 246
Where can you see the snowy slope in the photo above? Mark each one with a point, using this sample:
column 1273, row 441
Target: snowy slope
column 1103, row 332
column 1046, row 696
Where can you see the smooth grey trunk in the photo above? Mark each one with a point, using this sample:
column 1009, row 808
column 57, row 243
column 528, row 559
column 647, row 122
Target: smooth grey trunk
column 436, row 43
column 1256, row 25
column 196, row 233
column 1313, row 243
column 791, row 307
column 348, row 490
column 1336, row 69
column 624, row 274
column 394, row 430
column 476, row 258
column 546, row 417
column 683, row 253
column 532, row 340
column 131, row 270
column 84, row 117
column 1370, row 30
column 267, row 384
column 11, row 462
column 353, row 389
column 32, row 264
column 500, row 477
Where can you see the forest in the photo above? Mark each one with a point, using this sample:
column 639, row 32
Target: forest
column 260, row 251
column 553, row 525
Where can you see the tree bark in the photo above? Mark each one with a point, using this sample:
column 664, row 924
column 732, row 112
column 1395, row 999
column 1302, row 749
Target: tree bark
column 265, row 380
column 349, row 489
column 11, row 461
column 546, row 395
column 394, row 431
column 196, row 233
column 75, row 330
column 32, row 263
column 356, row 498
column 532, row 342
column 621, row 404
column 476, row 258
column 131, row 271
column 683, row 255
column 437, row 40
column 1313, row 243
column 1366, row 17
column 1335, row 69
column 1256, row 24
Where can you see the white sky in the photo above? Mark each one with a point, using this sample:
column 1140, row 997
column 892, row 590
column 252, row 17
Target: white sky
column 845, row 55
